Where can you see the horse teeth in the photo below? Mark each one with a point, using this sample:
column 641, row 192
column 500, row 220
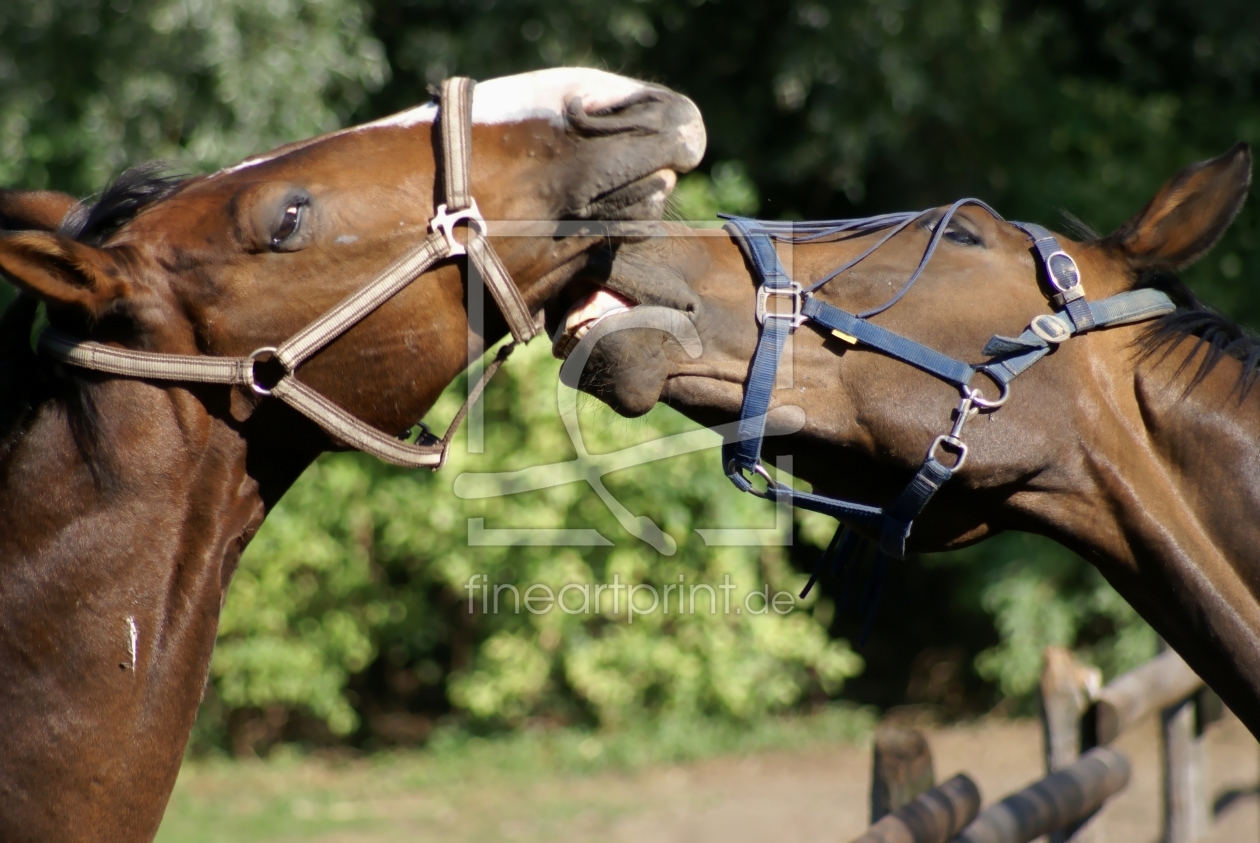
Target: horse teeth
column 584, row 315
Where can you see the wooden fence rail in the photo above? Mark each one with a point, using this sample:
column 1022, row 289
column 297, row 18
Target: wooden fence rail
column 1061, row 799
column 936, row 815
column 1079, row 717
column 1163, row 682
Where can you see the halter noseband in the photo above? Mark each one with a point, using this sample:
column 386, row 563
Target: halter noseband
column 1073, row 315
column 455, row 105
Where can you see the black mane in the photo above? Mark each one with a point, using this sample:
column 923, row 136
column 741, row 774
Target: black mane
column 121, row 201
column 25, row 379
column 1218, row 335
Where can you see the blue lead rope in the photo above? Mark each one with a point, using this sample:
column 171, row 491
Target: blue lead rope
column 1012, row 356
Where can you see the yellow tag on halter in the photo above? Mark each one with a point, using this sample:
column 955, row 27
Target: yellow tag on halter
column 841, row 335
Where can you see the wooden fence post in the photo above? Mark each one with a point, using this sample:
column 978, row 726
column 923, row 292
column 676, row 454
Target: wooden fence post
column 901, row 769
column 1187, row 814
column 1067, row 689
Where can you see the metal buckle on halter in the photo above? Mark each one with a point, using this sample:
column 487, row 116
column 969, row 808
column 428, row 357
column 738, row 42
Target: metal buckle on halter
column 446, row 222
column 424, row 435
column 1069, row 288
column 792, row 291
column 1050, row 328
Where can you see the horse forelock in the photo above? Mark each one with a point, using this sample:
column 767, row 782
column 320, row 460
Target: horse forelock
column 121, row 201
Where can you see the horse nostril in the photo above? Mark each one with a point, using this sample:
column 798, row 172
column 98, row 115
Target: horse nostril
column 644, row 112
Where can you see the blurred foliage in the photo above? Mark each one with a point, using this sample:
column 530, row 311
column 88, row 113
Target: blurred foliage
column 361, row 558
column 89, row 86
column 349, row 606
column 726, row 189
column 1040, row 594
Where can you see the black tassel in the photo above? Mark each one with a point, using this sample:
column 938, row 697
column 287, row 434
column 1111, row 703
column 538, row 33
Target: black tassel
column 870, row 600
column 844, row 551
column 849, row 542
column 856, row 550
column 841, row 531
column 839, row 551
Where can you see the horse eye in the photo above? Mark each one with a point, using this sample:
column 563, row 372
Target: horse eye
column 957, row 235
column 288, row 225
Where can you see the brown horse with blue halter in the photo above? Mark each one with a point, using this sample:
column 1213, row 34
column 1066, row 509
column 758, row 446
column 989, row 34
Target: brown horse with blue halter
column 951, row 379
column 207, row 338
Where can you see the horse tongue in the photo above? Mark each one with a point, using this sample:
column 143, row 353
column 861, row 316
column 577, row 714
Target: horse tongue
column 583, row 316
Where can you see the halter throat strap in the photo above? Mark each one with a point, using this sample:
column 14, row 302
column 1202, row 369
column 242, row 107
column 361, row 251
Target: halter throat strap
column 455, row 113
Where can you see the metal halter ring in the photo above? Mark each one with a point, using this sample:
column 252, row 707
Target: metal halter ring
column 977, row 397
column 759, row 470
column 446, row 222
column 959, row 446
column 792, row 291
column 258, row 388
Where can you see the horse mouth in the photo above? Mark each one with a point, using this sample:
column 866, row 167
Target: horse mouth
column 584, row 314
column 642, row 198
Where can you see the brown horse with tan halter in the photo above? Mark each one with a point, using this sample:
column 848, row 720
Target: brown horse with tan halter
column 1133, row 440
column 126, row 501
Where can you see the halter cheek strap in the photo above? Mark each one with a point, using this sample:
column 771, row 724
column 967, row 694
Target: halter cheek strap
column 1074, row 315
column 456, row 133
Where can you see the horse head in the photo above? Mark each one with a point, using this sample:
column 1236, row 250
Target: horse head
column 1130, row 417
column 126, row 501
column 224, row 264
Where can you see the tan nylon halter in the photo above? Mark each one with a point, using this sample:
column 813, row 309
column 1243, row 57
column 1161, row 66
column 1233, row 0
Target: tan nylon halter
column 455, row 112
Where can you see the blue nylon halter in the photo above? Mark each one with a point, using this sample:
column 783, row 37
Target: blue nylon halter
column 1011, row 356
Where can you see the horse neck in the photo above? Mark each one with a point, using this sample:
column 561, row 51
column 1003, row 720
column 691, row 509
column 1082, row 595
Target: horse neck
column 124, row 508
column 1169, row 515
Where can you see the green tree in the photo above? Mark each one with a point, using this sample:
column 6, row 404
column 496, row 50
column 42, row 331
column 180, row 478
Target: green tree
column 89, row 86
column 360, row 558
column 850, row 107
column 348, row 606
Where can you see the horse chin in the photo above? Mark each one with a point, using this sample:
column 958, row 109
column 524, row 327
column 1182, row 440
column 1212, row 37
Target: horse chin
column 630, row 368
column 642, row 199
column 628, row 371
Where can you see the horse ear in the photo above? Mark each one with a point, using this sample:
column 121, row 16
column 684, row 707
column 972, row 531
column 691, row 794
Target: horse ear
column 37, row 210
column 1189, row 214
column 62, row 272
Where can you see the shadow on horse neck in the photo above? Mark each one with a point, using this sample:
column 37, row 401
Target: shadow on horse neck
column 125, row 503
column 1137, row 445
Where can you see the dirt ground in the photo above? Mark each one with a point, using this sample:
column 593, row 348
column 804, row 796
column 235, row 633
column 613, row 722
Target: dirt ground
column 822, row 796
column 811, row 795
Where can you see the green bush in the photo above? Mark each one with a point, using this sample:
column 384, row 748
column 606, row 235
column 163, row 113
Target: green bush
column 1040, row 594
column 361, row 559
column 353, row 593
